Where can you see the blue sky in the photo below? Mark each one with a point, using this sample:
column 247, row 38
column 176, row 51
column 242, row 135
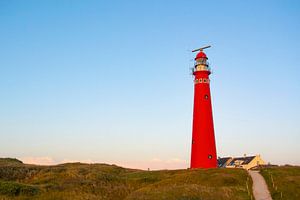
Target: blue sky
column 108, row 81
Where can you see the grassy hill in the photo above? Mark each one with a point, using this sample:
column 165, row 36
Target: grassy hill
column 283, row 182
column 101, row 181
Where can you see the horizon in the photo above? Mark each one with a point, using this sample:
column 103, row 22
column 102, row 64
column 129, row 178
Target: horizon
column 109, row 82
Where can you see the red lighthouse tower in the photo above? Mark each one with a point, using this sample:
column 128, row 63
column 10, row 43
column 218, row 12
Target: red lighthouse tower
column 203, row 139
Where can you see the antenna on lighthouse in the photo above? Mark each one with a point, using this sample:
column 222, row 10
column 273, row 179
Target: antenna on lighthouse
column 201, row 49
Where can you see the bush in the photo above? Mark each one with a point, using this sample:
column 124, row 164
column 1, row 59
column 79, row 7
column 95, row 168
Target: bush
column 15, row 189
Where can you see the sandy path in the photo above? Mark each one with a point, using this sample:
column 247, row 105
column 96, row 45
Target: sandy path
column 260, row 188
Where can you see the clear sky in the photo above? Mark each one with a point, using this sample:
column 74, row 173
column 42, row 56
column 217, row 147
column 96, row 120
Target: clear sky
column 108, row 81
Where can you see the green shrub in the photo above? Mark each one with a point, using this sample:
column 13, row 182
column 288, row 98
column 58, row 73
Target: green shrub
column 15, row 189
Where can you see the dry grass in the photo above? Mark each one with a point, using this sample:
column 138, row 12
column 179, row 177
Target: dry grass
column 102, row 182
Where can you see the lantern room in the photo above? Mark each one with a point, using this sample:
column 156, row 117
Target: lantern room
column 201, row 63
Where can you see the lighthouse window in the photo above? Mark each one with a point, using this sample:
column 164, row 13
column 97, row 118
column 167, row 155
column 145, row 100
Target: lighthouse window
column 209, row 156
column 200, row 80
column 204, row 80
column 206, row 96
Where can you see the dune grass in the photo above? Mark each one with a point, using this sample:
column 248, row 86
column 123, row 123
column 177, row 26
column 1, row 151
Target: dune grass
column 102, row 181
column 283, row 182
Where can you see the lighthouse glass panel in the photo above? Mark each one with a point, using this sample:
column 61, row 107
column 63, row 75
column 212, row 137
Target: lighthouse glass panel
column 201, row 61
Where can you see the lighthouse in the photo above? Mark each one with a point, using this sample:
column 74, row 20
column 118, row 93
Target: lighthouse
column 203, row 154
